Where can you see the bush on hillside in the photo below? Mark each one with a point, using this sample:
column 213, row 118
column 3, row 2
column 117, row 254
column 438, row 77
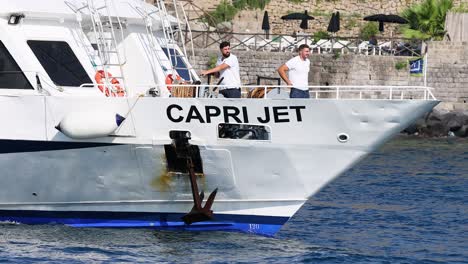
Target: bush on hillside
column 320, row 35
column 250, row 4
column 223, row 12
column 368, row 30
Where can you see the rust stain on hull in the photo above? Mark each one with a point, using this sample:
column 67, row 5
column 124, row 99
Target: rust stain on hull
column 163, row 180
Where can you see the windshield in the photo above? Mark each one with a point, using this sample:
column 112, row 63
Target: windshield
column 60, row 62
column 178, row 63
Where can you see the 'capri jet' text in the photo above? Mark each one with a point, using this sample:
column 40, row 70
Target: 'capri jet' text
column 233, row 114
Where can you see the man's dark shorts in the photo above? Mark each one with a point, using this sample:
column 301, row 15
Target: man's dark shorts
column 231, row 93
column 298, row 93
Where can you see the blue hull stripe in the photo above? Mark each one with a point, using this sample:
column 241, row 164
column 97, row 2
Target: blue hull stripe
column 17, row 146
column 264, row 225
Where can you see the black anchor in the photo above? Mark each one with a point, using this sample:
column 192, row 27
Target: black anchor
column 184, row 150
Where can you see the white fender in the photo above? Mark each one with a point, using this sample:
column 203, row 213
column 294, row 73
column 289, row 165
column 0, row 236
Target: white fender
column 86, row 125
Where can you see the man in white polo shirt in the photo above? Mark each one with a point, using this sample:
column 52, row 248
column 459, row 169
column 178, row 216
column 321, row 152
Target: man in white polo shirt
column 228, row 68
column 298, row 73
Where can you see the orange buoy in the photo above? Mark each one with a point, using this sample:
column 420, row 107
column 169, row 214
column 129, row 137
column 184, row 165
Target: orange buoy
column 101, row 76
column 170, row 80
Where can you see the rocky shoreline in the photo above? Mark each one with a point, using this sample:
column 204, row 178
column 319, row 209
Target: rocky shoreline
column 441, row 123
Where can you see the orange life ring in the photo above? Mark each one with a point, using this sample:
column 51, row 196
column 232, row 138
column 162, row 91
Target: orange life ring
column 170, row 80
column 116, row 92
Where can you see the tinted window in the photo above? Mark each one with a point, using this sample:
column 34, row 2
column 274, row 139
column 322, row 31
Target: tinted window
column 11, row 76
column 178, row 63
column 59, row 62
column 244, row 132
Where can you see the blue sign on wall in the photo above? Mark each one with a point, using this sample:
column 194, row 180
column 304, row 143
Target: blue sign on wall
column 416, row 67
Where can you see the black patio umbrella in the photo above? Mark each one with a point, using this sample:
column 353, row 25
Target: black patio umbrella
column 297, row 16
column 337, row 18
column 304, row 17
column 381, row 18
column 304, row 24
column 266, row 24
column 334, row 25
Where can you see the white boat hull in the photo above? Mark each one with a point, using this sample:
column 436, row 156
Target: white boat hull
column 122, row 180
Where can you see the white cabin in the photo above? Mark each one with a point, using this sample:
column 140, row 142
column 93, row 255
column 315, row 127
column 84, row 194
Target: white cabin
column 63, row 44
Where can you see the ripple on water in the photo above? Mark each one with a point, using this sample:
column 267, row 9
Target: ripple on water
column 407, row 203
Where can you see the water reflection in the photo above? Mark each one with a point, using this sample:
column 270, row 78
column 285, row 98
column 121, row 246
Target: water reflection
column 405, row 203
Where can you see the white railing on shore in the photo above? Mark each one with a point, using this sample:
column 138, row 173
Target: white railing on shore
column 366, row 92
column 385, row 46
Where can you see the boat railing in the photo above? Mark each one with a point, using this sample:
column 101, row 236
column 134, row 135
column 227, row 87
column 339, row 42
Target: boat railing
column 316, row 92
column 337, row 92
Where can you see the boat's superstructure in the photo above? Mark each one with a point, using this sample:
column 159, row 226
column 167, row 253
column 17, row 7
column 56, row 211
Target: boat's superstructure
column 70, row 154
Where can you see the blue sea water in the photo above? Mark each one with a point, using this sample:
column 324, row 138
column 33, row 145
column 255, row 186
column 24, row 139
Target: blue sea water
column 406, row 203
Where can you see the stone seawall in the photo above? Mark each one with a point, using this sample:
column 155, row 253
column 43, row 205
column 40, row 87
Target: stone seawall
column 325, row 68
column 251, row 63
column 447, row 74
column 447, row 70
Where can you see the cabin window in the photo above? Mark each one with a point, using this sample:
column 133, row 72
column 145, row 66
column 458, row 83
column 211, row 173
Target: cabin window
column 178, row 63
column 11, row 76
column 60, row 63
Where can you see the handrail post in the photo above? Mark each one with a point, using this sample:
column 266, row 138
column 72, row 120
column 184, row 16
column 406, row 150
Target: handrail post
column 391, row 93
column 265, row 93
column 430, row 94
column 338, row 92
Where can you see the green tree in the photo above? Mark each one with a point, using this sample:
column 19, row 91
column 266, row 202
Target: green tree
column 223, row 12
column 427, row 19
